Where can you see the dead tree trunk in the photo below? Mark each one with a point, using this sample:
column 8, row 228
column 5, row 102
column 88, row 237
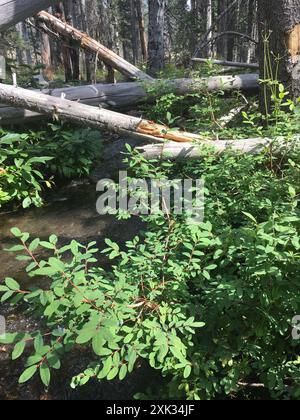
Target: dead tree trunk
column 228, row 63
column 186, row 151
column 124, row 95
column 14, row 11
column 85, row 42
column 279, row 25
column 89, row 116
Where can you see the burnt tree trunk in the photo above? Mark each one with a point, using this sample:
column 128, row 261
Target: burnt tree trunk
column 279, row 23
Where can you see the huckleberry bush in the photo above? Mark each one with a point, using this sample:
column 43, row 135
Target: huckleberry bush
column 209, row 305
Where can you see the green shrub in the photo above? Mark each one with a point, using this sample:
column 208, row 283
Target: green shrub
column 32, row 161
column 208, row 305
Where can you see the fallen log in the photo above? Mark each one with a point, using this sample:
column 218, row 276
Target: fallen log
column 123, row 95
column 185, row 151
column 89, row 116
column 84, row 41
column 254, row 66
column 14, row 11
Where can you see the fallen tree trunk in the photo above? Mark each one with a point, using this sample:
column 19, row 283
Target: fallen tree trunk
column 254, row 66
column 84, row 41
column 89, row 116
column 14, row 11
column 123, row 95
column 176, row 151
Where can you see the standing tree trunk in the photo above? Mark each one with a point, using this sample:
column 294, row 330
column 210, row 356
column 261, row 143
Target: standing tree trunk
column 156, row 48
column 279, row 22
column 209, row 24
column 46, row 56
column 135, row 33
column 141, row 23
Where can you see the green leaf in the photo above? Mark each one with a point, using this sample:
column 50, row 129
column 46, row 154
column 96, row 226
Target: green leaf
column 54, row 361
column 12, row 284
column 34, row 244
column 47, row 245
column 15, row 248
column 45, row 374
column 113, row 373
column 74, row 248
column 6, row 296
column 123, row 372
column 128, row 338
column 16, row 232
column 97, row 343
column 187, row 371
column 26, row 202
column 18, row 350
column 107, row 365
column 9, row 338
column 85, row 336
column 28, row 374
column 250, row 217
column 132, row 356
column 39, row 344
column 198, row 324
column 47, row 271
column 57, row 264
column 33, row 360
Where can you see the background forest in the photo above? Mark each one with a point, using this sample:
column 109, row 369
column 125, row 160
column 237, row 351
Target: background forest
column 158, row 33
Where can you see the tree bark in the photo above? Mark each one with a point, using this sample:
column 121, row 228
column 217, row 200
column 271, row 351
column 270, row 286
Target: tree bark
column 209, row 28
column 141, row 23
column 89, row 116
column 46, row 56
column 156, row 47
column 124, row 95
column 135, row 33
column 14, row 11
column 185, row 151
column 85, row 42
column 279, row 21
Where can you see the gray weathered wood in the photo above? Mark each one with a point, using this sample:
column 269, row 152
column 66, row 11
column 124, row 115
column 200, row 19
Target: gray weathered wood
column 187, row 151
column 123, row 95
column 89, row 116
column 14, row 11
column 254, row 66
